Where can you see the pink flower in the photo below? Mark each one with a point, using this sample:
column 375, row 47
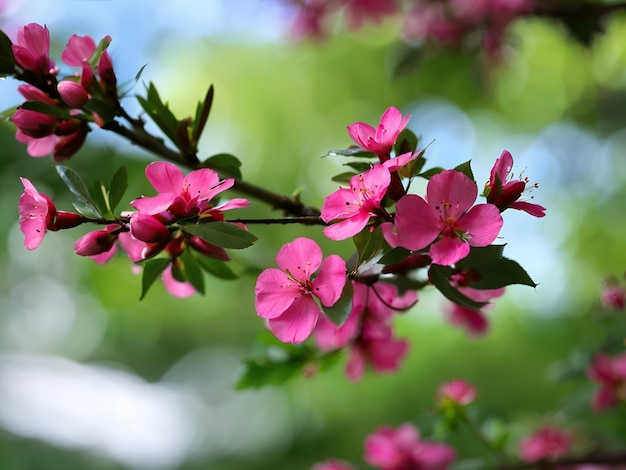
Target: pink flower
column 37, row 212
column 614, row 297
column 354, row 206
column 148, row 228
column 473, row 321
column 32, row 49
column 610, row 374
column 446, row 217
column 98, row 242
column 504, row 192
column 359, row 11
column 384, row 355
column 380, row 140
column 546, row 443
column 286, row 296
column 78, row 50
column 72, row 93
column 185, row 196
column 33, row 123
column 457, row 391
column 332, row 464
column 402, row 448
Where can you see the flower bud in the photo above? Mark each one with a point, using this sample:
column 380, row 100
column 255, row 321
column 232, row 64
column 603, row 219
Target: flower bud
column 64, row 219
column 94, row 243
column 148, row 229
column 72, row 93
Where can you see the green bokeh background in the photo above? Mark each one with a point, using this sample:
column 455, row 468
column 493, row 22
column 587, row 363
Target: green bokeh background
column 557, row 105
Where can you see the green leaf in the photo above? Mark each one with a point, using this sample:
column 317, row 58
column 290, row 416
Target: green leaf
column 104, row 110
column 343, row 177
column 87, row 210
column 263, row 371
column 338, row 313
column 350, row 152
column 407, row 142
column 221, row 234
column 466, row 169
column 152, row 269
column 405, row 283
column 493, row 270
column 428, row 174
column 202, row 114
column 7, row 60
column 7, row 113
column 368, row 244
column 395, row 255
column 225, row 164
column 100, row 197
column 97, row 53
column 77, row 186
column 140, row 72
column 360, row 167
column 45, row 108
column 217, row 268
column 439, row 276
column 119, row 185
column 160, row 113
column 192, row 270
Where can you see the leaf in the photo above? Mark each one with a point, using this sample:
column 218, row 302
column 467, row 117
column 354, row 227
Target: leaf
column 104, row 110
column 406, row 142
column 360, row 167
column 7, row 59
column 339, row 312
column 439, row 276
column 119, row 185
column 152, row 269
column 405, row 283
column 77, row 186
column 343, row 177
column 221, row 234
column 493, row 270
column 405, row 59
column 202, row 114
column 368, row 244
column 263, row 371
column 100, row 197
column 225, row 164
column 466, row 169
column 395, row 255
column 428, row 174
column 45, row 108
column 87, row 210
column 350, row 152
column 97, row 53
column 217, row 268
column 192, row 270
column 160, row 113
column 140, row 72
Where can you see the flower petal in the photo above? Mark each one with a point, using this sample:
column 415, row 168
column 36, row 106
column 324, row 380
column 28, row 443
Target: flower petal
column 274, row 292
column 297, row 322
column 483, row 223
column 448, row 251
column 301, row 258
column 453, row 187
column 329, row 283
column 165, row 177
column 417, row 224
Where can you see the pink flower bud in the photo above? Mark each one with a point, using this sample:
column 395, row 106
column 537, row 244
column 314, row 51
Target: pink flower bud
column 94, row 243
column 148, row 229
column 614, row 297
column 72, row 93
column 64, row 220
column 547, row 443
column 457, row 391
column 34, row 124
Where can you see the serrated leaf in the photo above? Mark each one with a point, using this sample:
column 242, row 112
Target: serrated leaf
column 395, row 255
column 221, row 234
column 152, row 269
column 263, row 371
column 77, row 186
column 343, row 177
column 45, row 108
column 217, row 268
column 350, row 152
column 7, row 59
column 119, row 185
column 439, row 276
column 202, row 114
column 368, row 244
column 407, row 141
column 428, row 174
column 225, row 164
column 339, row 312
column 466, row 169
column 192, row 270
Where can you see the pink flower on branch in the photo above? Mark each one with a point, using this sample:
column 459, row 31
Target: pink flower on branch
column 504, row 192
column 32, row 49
column 402, row 448
column 380, row 140
column 614, row 297
column 456, row 391
column 610, row 374
column 286, row 296
column 445, row 217
column 354, row 206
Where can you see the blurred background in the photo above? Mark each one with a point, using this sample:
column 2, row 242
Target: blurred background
column 92, row 378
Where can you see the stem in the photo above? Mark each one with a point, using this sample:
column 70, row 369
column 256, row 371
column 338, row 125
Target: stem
column 486, row 442
column 305, row 220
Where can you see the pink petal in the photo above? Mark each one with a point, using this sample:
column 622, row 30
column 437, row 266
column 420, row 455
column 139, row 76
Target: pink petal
column 386, row 355
column 174, row 287
column 453, row 187
column 340, row 205
column 302, row 257
column 235, row 203
column 274, row 292
column 329, row 283
column 297, row 322
column 347, row 228
column 165, row 177
column 448, row 251
column 501, row 168
column 200, row 184
column 356, row 364
column 530, row 208
column 390, row 126
column 417, row 224
column 360, row 133
column 329, row 336
column 483, row 223
column 78, row 50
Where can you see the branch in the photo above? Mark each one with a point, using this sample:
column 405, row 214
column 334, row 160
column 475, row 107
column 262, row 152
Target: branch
column 564, row 462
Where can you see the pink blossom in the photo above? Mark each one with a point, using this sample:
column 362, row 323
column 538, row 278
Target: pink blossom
column 474, row 322
column 98, row 244
column 383, row 355
column 504, row 192
column 610, row 374
column 402, row 448
column 72, row 93
column 286, row 296
column 332, row 464
column 32, row 49
column 31, row 93
column 614, row 297
column 359, row 11
column 37, row 212
column 427, row 21
column 78, row 50
column 445, row 217
column 380, row 140
column 37, row 147
column 354, row 206
column 456, row 391
column 547, row 443
column 33, row 123
column 148, row 228
column 174, row 287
